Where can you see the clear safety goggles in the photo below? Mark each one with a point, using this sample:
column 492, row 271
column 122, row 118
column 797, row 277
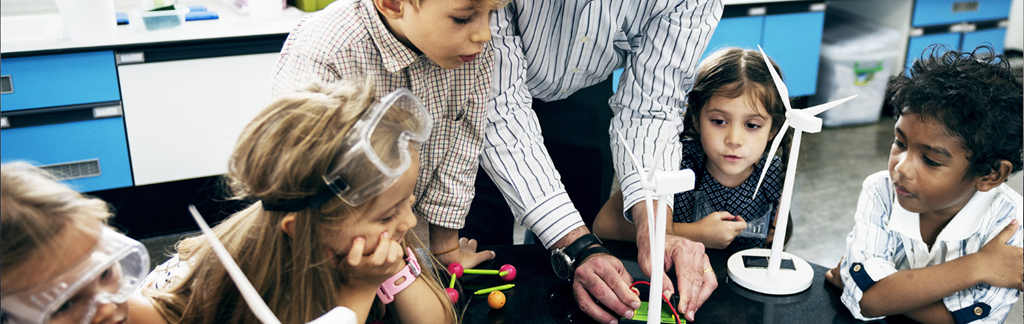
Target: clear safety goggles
column 110, row 273
column 383, row 137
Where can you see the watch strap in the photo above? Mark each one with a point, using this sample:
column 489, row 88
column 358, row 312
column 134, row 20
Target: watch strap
column 594, row 249
column 574, row 249
column 387, row 291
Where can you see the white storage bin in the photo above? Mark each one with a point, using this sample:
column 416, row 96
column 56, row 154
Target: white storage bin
column 857, row 58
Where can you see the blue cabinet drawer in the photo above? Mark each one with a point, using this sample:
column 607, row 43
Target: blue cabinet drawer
column 92, row 154
column 744, row 32
column 995, row 37
column 794, row 42
column 939, row 12
column 917, row 46
column 59, row 80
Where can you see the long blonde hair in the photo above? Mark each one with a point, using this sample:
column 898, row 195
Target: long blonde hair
column 35, row 212
column 281, row 155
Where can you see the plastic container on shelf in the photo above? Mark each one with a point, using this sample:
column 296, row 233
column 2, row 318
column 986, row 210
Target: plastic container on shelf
column 857, row 58
column 150, row 20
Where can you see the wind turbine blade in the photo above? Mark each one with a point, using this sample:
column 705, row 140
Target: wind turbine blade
column 783, row 91
column 636, row 163
column 771, row 153
column 826, row 106
column 256, row 303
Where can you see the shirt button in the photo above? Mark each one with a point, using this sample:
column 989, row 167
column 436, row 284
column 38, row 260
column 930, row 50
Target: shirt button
column 977, row 310
column 574, row 70
column 856, row 268
column 584, row 39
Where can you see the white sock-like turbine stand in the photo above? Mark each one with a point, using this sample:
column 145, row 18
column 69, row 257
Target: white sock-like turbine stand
column 772, row 280
column 665, row 184
column 338, row 315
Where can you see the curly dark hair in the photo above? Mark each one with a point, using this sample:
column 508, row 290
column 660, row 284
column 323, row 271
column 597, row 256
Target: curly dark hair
column 974, row 94
column 730, row 73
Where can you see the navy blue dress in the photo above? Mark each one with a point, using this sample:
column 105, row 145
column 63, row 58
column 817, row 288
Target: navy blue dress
column 708, row 194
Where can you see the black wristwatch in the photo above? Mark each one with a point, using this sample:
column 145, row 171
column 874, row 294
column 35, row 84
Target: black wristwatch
column 564, row 260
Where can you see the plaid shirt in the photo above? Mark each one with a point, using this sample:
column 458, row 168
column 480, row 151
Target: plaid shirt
column 347, row 40
column 887, row 239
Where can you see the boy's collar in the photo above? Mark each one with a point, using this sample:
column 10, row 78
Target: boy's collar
column 964, row 224
column 395, row 55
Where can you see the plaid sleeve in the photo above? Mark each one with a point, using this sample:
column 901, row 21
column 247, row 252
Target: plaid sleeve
column 445, row 201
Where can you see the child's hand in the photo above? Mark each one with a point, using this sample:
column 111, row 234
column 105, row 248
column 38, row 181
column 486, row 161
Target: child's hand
column 720, row 228
column 832, row 276
column 466, row 254
column 370, row 271
column 1002, row 265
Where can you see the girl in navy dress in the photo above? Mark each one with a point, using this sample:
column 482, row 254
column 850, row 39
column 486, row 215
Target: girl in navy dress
column 733, row 113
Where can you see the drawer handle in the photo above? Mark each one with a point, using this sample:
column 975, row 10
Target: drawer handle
column 59, row 115
column 6, row 84
column 965, row 6
column 74, row 170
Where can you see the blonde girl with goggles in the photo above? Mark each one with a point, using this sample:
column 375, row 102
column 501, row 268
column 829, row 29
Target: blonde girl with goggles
column 330, row 172
column 61, row 262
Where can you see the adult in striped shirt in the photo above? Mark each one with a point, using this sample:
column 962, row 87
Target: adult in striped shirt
column 549, row 50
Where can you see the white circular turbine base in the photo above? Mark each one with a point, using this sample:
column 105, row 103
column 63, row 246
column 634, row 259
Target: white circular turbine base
column 787, row 281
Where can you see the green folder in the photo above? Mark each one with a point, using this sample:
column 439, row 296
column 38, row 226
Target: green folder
column 666, row 314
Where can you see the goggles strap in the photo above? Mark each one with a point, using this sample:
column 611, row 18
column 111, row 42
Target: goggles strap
column 293, row 205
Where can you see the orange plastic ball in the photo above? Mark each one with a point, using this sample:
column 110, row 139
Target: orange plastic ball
column 496, row 299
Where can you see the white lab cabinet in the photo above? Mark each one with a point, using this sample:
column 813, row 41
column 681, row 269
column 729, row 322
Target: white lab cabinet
column 183, row 117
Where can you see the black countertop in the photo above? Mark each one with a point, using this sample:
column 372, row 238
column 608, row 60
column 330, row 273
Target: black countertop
column 541, row 297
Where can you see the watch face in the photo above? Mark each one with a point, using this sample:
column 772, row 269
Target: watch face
column 561, row 264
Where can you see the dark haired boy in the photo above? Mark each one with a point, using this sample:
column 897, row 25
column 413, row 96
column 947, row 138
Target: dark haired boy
column 938, row 237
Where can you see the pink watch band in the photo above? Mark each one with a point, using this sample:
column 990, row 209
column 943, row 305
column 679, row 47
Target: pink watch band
column 389, row 289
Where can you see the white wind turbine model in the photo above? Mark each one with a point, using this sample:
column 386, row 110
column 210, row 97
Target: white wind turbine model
column 665, row 184
column 748, row 267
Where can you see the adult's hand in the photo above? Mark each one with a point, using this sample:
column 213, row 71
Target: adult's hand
column 603, row 277
column 448, row 248
column 694, row 276
column 694, row 283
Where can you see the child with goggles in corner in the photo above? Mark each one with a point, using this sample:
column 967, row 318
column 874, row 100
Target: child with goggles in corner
column 330, row 172
column 61, row 262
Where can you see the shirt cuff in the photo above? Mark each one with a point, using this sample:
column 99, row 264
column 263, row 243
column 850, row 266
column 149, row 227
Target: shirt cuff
column 553, row 218
column 858, row 277
column 969, row 313
column 448, row 211
column 632, row 194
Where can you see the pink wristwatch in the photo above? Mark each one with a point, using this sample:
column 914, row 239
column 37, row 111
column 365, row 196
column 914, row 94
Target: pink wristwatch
column 389, row 289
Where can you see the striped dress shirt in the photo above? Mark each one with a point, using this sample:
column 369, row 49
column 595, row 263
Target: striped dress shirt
column 348, row 41
column 547, row 50
column 887, row 239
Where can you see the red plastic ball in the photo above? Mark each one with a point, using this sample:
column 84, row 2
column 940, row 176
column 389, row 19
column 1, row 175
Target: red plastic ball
column 456, row 269
column 511, row 272
column 496, row 299
column 452, row 294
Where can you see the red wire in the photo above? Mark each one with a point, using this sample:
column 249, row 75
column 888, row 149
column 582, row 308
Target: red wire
column 667, row 302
